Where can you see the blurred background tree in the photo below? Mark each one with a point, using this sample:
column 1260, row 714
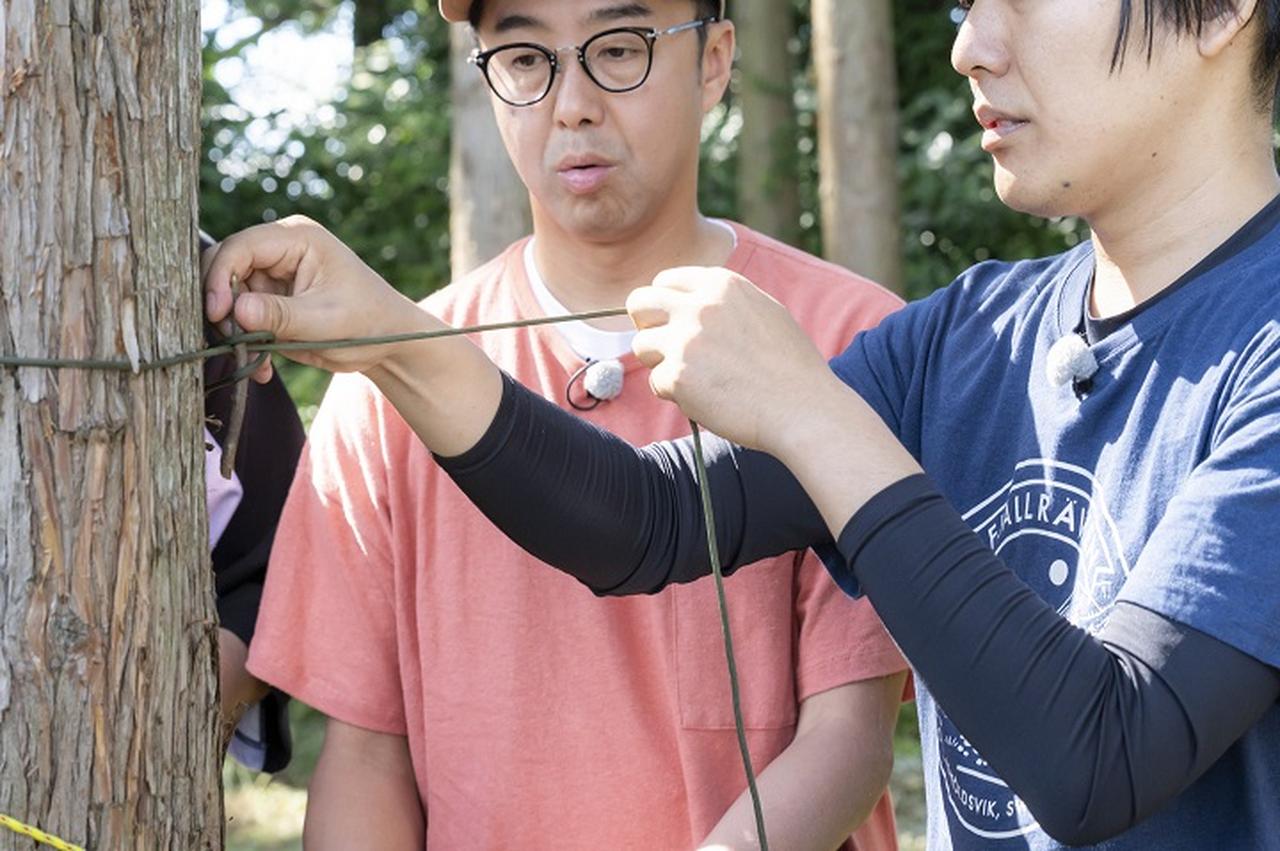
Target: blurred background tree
column 366, row 149
column 372, row 159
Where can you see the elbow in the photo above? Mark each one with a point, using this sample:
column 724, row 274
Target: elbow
column 1073, row 828
column 632, row 585
column 1080, row 834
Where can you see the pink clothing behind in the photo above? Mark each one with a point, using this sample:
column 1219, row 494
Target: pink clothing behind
column 539, row 716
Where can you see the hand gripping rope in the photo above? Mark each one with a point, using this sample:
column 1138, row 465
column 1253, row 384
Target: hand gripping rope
column 263, row 344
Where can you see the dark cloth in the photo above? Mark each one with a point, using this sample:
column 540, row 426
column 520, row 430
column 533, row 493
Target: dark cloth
column 1264, row 222
column 270, row 445
column 1128, row 718
column 269, row 448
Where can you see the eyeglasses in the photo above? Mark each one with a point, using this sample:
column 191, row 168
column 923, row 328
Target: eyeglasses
column 617, row 60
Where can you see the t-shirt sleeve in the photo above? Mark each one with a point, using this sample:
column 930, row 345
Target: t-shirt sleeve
column 885, row 365
column 326, row 631
column 841, row 640
column 1211, row 562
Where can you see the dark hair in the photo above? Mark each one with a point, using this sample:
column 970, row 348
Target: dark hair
column 1188, row 17
column 702, row 8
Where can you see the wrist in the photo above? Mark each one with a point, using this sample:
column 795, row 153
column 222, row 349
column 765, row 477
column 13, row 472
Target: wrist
column 817, row 414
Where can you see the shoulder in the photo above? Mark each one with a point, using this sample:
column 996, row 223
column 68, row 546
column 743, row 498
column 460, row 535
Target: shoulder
column 998, row 299
column 832, row 303
column 788, row 272
column 1001, row 284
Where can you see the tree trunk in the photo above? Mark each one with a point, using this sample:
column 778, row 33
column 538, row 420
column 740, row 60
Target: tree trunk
column 768, row 193
column 489, row 206
column 858, row 136
column 108, row 719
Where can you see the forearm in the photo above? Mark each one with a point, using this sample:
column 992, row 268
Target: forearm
column 620, row 519
column 841, row 451
column 822, row 787
column 363, row 793
column 447, row 390
column 1128, row 718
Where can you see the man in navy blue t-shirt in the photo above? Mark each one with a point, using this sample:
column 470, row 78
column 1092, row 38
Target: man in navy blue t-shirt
column 1086, row 581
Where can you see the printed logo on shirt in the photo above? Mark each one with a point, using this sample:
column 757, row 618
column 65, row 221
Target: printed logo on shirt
column 1050, row 523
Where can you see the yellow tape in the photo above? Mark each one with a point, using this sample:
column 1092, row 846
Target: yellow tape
column 36, row 834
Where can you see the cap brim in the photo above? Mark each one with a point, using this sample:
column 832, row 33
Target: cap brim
column 455, row 11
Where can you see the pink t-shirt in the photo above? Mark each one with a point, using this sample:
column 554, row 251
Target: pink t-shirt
column 538, row 715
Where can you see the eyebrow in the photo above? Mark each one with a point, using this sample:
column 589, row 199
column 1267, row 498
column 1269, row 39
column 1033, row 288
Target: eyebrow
column 518, row 22
column 621, row 12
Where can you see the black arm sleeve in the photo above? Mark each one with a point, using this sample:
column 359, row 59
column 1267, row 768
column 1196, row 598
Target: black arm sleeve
column 1129, row 718
column 625, row 520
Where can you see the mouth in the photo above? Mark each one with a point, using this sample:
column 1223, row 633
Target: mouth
column 997, row 126
column 583, row 175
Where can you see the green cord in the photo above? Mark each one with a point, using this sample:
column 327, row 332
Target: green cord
column 704, row 487
column 262, row 342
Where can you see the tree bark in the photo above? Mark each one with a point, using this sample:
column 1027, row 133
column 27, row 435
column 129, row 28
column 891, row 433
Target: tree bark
column 768, row 188
column 489, row 206
column 858, row 136
column 108, row 709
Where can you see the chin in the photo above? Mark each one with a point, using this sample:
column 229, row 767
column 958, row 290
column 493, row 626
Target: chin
column 596, row 219
column 1042, row 198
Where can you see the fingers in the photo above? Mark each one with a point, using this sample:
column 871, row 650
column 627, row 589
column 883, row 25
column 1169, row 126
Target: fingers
column 650, row 307
column 647, row 346
column 257, row 311
column 662, row 381
column 262, row 257
column 685, row 279
column 263, row 373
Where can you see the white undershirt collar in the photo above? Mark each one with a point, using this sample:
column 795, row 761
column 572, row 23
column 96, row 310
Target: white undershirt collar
column 587, row 342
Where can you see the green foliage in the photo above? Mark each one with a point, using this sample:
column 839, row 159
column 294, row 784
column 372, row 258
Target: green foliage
column 373, row 165
column 951, row 217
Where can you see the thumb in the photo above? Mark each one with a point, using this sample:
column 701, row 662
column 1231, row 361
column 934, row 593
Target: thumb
column 266, row 312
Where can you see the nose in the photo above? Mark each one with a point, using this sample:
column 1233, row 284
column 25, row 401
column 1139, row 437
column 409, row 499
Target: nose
column 579, row 102
column 981, row 45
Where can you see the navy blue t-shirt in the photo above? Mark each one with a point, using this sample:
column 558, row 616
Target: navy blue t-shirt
column 1161, row 487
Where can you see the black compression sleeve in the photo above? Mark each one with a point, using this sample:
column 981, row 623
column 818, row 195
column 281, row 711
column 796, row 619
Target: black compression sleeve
column 1160, row 702
column 625, row 520
column 1128, row 718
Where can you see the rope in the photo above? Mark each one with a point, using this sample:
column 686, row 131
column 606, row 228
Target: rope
column 37, row 834
column 263, row 344
column 713, row 549
column 261, row 341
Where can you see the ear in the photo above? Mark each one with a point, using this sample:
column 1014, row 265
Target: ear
column 717, row 62
column 1218, row 33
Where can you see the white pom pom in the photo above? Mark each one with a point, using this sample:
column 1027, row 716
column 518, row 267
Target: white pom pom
column 603, row 380
column 1070, row 359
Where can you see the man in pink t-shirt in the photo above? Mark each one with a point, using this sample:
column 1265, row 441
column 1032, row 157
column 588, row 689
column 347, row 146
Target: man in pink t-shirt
column 478, row 699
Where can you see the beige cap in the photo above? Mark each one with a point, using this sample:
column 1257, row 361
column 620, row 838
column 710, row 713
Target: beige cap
column 456, row 11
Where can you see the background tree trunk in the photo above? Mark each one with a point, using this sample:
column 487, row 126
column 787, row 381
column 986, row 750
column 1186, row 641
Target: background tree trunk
column 768, row 189
column 858, row 136
column 489, row 206
column 108, row 720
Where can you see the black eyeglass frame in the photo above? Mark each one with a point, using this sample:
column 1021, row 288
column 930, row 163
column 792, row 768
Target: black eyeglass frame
column 480, row 58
